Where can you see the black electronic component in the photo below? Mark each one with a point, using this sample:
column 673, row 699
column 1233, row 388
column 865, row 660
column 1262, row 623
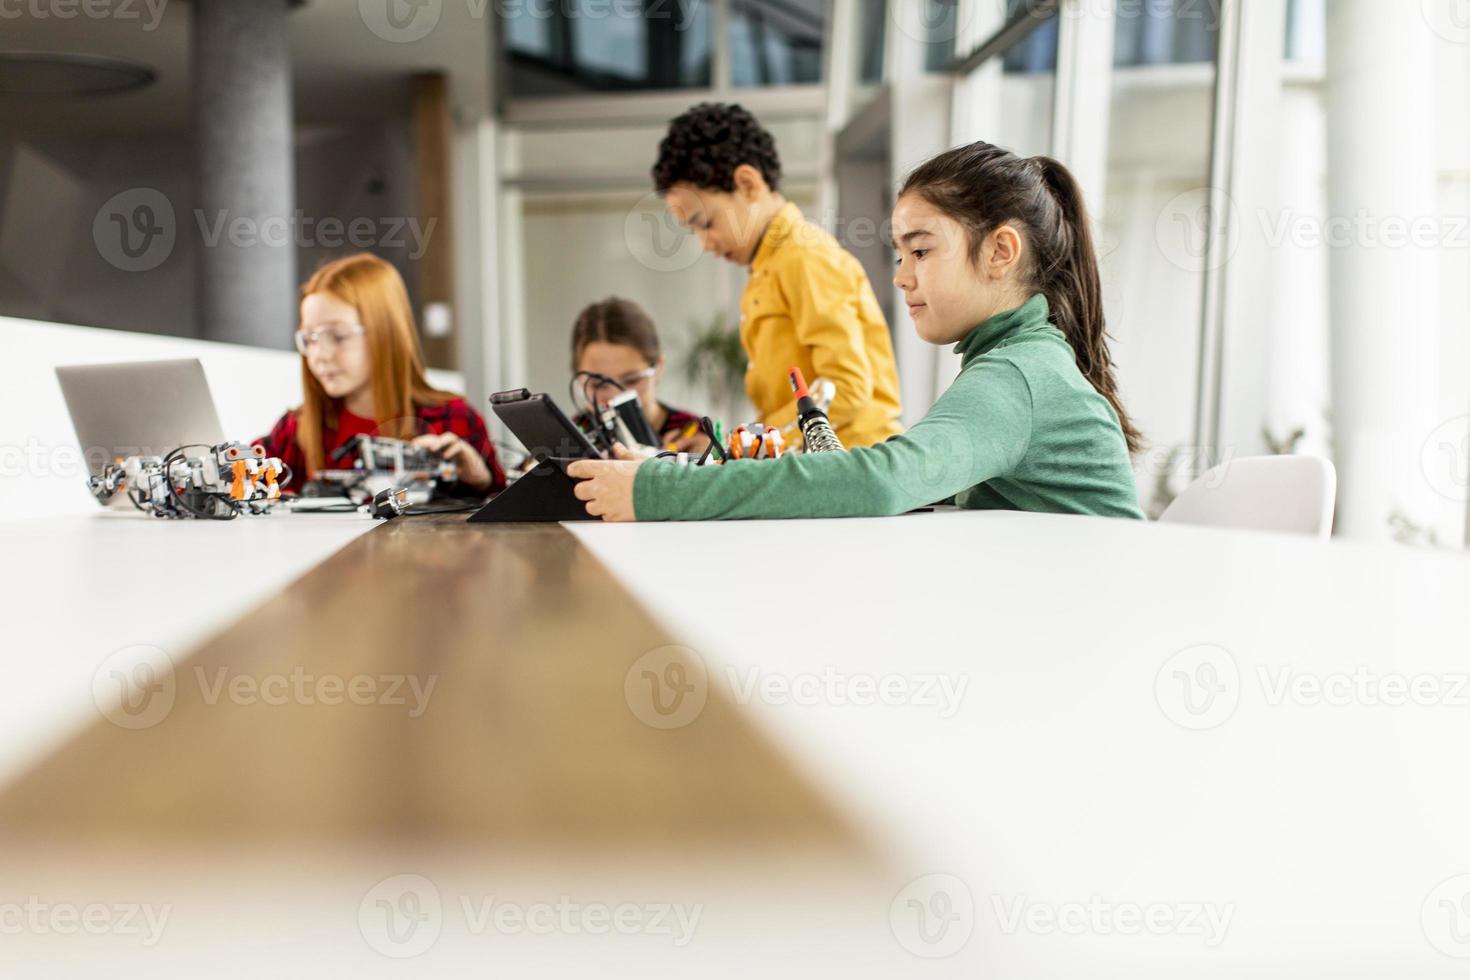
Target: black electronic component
column 388, row 504
column 630, row 412
column 541, row 426
column 544, row 493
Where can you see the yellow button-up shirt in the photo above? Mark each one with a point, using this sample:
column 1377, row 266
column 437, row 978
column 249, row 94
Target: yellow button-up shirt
column 809, row 304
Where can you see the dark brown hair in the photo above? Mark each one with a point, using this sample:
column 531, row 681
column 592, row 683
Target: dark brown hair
column 616, row 321
column 705, row 145
column 983, row 187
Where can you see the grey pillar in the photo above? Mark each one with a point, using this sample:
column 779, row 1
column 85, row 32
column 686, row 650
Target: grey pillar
column 246, row 191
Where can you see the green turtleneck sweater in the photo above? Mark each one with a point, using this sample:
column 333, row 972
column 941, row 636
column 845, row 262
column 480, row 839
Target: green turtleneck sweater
column 1019, row 429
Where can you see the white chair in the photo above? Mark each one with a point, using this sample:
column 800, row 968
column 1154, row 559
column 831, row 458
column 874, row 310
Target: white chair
column 1266, row 493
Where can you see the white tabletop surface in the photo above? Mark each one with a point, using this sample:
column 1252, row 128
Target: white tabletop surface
column 1070, row 771
column 1036, row 774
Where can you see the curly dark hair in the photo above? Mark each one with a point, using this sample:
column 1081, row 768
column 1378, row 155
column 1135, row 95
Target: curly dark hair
column 705, row 145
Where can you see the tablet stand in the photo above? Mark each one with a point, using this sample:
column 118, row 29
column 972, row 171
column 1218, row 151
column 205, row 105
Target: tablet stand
column 543, row 494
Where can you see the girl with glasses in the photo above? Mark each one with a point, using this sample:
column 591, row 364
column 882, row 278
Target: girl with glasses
column 615, row 347
column 362, row 373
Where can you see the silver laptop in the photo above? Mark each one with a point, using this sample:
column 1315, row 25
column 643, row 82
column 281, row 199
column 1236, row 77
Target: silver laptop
column 138, row 408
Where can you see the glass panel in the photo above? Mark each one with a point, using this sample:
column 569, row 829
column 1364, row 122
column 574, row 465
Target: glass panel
column 592, row 46
column 776, row 42
column 1166, row 32
column 1306, row 30
column 529, row 35
column 615, row 46
column 1010, row 101
column 1154, row 226
column 1037, row 53
column 941, row 21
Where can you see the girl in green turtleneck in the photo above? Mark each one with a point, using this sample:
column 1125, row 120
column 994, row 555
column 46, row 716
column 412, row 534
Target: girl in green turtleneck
column 994, row 256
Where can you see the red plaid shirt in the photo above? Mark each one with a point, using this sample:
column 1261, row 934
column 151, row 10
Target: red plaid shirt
column 675, row 422
column 455, row 416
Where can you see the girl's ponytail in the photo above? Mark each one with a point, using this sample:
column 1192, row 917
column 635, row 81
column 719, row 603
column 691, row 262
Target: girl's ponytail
column 1073, row 288
column 982, row 186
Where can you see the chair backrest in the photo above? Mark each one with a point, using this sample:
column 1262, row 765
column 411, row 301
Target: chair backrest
column 1266, row 493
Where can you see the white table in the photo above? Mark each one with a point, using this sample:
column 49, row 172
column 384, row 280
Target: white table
column 1063, row 777
column 1319, row 829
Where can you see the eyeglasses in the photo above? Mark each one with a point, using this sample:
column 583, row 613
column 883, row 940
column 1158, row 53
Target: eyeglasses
column 327, row 337
column 626, row 381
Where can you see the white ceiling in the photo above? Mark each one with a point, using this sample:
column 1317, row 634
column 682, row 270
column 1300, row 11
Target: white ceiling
column 342, row 70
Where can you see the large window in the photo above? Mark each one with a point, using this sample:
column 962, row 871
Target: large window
column 1156, row 222
column 1257, row 231
column 1167, row 32
column 1144, row 156
column 1010, row 100
column 776, row 42
column 586, row 46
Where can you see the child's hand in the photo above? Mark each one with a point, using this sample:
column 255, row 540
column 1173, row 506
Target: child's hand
column 606, row 486
column 473, row 472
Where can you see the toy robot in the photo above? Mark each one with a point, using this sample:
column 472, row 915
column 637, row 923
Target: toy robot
column 382, row 464
column 223, row 482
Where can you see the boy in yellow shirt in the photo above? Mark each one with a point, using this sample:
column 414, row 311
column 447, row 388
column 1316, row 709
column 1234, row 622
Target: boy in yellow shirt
column 808, row 302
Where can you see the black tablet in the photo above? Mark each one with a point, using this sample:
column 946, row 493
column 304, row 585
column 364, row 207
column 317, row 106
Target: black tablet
column 540, row 425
